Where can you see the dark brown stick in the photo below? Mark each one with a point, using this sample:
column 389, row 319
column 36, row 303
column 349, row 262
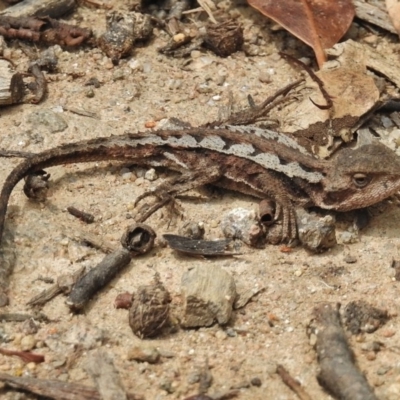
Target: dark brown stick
column 83, row 216
column 97, row 278
column 339, row 375
column 292, row 383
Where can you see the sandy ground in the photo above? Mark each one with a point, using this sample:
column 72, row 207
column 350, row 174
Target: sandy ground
column 271, row 329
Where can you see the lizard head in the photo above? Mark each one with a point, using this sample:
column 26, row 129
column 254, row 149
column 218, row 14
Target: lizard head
column 359, row 177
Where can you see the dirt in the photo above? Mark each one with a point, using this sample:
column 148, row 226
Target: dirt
column 271, row 329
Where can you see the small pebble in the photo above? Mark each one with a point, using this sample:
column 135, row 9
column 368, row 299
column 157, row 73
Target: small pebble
column 144, row 353
column 256, row 381
column 350, row 259
column 31, row 366
column 89, row 93
column 221, row 335
column 383, row 370
column 371, row 356
column 370, row 39
column 28, row 342
column 151, row 175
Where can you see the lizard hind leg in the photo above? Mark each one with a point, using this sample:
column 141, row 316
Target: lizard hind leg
column 166, row 191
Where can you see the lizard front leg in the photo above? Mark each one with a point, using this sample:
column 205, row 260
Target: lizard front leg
column 249, row 178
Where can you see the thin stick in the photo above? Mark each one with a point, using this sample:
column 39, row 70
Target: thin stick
column 292, row 383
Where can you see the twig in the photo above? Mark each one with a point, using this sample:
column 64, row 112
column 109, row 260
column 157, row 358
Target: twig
column 51, row 388
column 292, row 383
column 97, row 278
column 91, row 239
column 83, row 216
column 64, row 285
column 257, row 112
column 26, row 356
column 339, row 375
column 314, row 77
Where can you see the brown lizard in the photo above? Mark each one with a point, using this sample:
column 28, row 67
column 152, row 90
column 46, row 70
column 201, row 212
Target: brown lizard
column 251, row 160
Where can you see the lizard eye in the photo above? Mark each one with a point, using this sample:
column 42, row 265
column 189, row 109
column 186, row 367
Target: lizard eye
column 361, row 180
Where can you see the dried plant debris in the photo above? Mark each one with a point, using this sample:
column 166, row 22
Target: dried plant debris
column 359, row 316
column 320, row 24
column 199, row 247
column 64, row 285
column 11, row 84
column 208, row 294
column 149, row 313
column 36, row 185
column 7, row 263
column 223, row 39
column 354, row 96
column 393, row 8
column 356, row 55
column 97, row 278
column 339, row 374
column 44, row 30
column 292, row 383
column 82, row 215
column 54, row 389
column 123, row 30
column 40, row 8
column 25, row 356
column 374, row 13
column 138, row 239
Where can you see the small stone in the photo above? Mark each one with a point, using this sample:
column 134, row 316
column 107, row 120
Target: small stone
column 370, row 39
column 264, row 77
column 350, row 259
column 118, row 75
column 54, row 122
column 208, row 293
column 31, row 366
column 28, row 342
column 144, row 353
column 316, row 233
column 151, row 175
column 383, row 370
column 179, row 38
column 30, row 327
column 168, row 386
column 388, row 332
column 256, row 381
column 221, row 335
column 195, row 54
column 386, row 122
column 214, row 223
column 135, row 65
column 89, row 93
column 242, row 224
column 204, row 88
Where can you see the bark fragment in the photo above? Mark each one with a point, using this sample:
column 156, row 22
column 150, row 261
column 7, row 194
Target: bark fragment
column 339, row 374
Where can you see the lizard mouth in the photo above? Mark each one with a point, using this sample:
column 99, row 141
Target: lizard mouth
column 336, row 199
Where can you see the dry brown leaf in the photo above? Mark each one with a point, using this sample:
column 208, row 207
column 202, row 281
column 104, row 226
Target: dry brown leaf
column 318, row 23
column 393, row 7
